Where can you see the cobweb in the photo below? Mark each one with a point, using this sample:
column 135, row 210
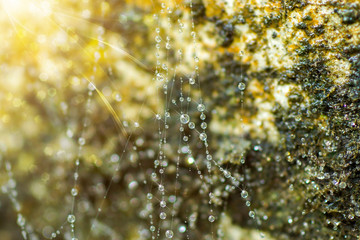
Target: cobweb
column 105, row 128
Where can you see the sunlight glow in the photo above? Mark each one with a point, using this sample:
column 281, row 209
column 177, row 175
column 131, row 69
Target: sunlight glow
column 19, row 7
column 13, row 6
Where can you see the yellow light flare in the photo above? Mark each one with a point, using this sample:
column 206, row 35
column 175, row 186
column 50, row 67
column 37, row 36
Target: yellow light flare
column 18, row 8
column 12, row 5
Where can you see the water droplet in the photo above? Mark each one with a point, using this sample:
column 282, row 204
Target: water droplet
column 252, row 214
column 201, row 107
column 169, row 234
column 242, row 86
column 118, row 97
column 244, row 194
column 192, row 81
column 162, row 204
column 158, row 39
column 74, row 192
column 71, row 218
column 342, row 185
column 211, row 218
column 184, row 118
column 133, row 185
column 159, row 77
column 20, row 220
column 203, row 136
column 172, row 198
column 182, row 229
column 357, row 213
column 191, row 125
column 149, row 196
column 81, row 141
column 152, row 228
column 162, row 215
column 91, row 87
column 190, row 160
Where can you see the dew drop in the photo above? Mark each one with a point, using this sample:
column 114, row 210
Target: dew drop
column 159, row 77
column 20, row 220
column 162, row 215
column 133, row 185
column 169, row 234
column 81, row 141
column 71, row 218
column 244, row 194
column 74, row 192
column 190, row 160
column 203, row 136
column 162, row 204
column 182, row 229
column 192, row 81
column 118, row 97
column 201, row 107
column 242, row 86
column 149, row 196
column 184, row 118
column 211, row 218
column 172, row 198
